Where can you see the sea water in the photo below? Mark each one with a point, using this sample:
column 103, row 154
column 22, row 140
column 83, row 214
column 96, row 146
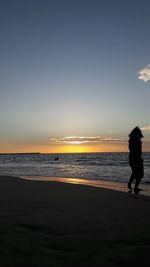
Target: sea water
column 92, row 166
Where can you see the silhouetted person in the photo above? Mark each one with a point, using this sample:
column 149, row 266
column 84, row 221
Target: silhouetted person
column 135, row 158
column 56, row 158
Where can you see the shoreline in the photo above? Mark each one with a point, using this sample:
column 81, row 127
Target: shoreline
column 113, row 185
column 107, row 184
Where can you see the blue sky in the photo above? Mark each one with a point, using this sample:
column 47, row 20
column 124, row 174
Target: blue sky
column 71, row 68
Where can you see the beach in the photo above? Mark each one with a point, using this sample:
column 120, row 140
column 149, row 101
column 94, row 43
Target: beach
column 48, row 223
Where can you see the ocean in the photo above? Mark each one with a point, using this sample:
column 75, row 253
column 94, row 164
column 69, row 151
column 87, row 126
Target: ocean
column 92, row 166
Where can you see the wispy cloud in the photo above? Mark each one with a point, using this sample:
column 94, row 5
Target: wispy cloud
column 82, row 140
column 146, row 128
column 144, row 74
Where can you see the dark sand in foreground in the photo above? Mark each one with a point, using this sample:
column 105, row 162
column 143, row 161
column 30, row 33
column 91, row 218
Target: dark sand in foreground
column 58, row 224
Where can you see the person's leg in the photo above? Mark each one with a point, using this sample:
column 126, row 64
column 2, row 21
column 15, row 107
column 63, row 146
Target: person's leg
column 131, row 181
column 139, row 176
column 137, row 182
column 132, row 177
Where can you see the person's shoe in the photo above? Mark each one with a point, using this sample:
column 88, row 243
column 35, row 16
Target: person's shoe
column 136, row 190
column 140, row 189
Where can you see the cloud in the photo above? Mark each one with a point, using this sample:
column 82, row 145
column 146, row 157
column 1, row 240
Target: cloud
column 146, row 128
column 83, row 140
column 144, row 74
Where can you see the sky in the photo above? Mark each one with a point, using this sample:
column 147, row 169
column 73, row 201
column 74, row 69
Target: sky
column 74, row 75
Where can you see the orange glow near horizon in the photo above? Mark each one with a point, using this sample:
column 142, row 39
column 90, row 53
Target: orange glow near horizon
column 69, row 148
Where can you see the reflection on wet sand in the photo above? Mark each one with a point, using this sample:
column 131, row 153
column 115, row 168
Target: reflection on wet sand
column 117, row 186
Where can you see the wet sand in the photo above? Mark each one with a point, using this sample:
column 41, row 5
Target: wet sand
column 117, row 186
column 62, row 224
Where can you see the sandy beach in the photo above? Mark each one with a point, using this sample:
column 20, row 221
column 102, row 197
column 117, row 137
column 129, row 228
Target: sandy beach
column 61, row 224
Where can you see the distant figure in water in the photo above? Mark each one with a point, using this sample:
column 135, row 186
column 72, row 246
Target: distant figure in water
column 135, row 159
column 56, row 158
